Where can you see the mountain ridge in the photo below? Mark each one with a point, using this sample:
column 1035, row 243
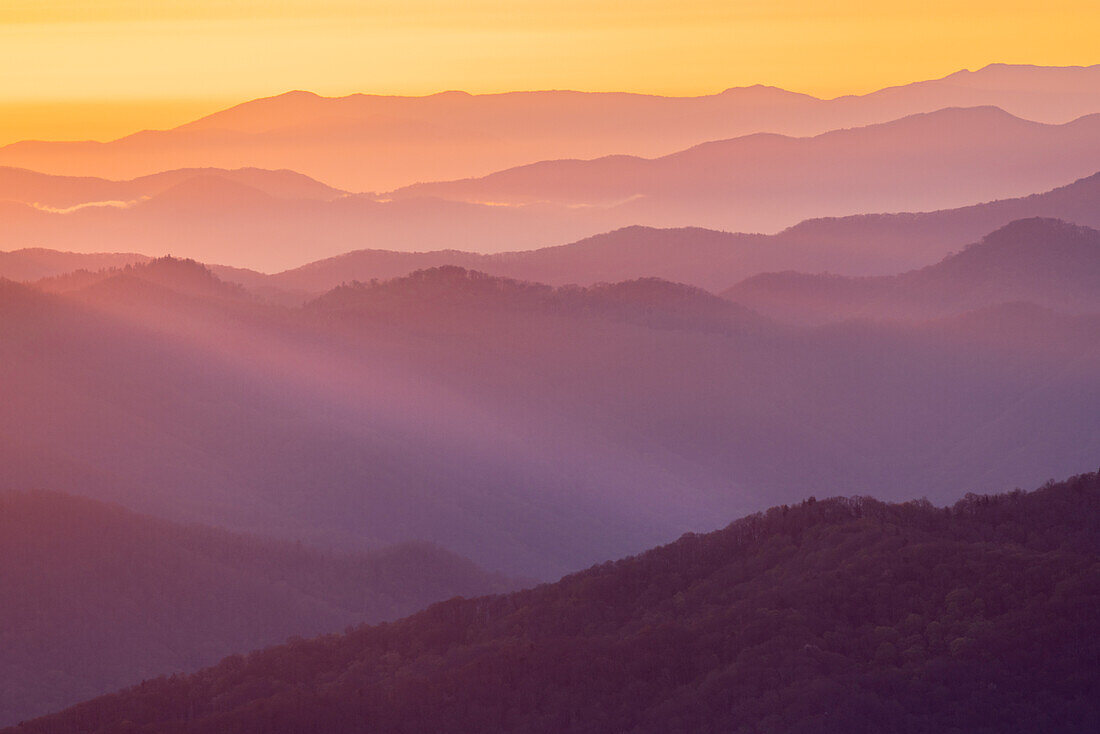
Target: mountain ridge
column 1046, row 261
column 537, row 427
column 830, row 615
column 66, row 192
column 380, row 142
column 765, row 182
column 868, row 244
column 884, row 243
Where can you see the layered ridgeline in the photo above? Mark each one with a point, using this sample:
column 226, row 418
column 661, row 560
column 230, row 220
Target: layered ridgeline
column 67, row 193
column 95, row 597
column 532, row 429
column 35, row 263
column 1045, row 262
column 872, row 244
column 765, row 182
column 219, row 217
column 275, row 220
column 375, row 143
column 837, row 615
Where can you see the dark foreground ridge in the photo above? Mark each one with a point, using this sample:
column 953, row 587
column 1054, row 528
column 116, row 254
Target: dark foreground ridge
column 842, row 615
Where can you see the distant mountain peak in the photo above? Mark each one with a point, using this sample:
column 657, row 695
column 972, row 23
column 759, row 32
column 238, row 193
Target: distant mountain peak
column 766, row 90
column 180, row 275
column 300, row 94
column 1036, row 227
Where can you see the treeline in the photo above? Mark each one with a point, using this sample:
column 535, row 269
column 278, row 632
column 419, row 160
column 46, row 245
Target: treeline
column 840, row 615
column 651, row 302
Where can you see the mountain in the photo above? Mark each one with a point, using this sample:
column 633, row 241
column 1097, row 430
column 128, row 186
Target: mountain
column 217, row 219
column 1043, row 261
column 688, row 255
column 859, row 245
column 68, row 192
column 378, row 143
column 765, row 182
column 204, row 219
column 839, row 615
column 36, row 263
column 277, row 421
column 923, row 234
column 532, row 429
column 177, row 276
column 221, row 219
column 231, row 282
column 97, row 597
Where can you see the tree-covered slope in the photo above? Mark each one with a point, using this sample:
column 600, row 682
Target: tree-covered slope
column 840, row 615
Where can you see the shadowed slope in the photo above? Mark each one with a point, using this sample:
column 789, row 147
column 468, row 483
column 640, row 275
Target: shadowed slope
column 887, row 243
column 860, row 245
column 281, row 421
column 1044, row 261
column 96, row 597
column 831, row 616
column 532, row 429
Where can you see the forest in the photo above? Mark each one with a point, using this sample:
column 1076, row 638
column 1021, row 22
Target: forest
column 833, row 615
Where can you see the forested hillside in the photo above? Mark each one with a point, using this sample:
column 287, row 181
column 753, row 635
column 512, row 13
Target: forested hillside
column 840, row 615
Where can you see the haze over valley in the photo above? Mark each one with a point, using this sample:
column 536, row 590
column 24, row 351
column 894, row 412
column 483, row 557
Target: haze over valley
column 716, row 412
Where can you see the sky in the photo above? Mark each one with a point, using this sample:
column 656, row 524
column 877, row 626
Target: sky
column 102, row 69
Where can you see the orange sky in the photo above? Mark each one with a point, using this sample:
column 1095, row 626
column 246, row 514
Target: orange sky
column 102, row 69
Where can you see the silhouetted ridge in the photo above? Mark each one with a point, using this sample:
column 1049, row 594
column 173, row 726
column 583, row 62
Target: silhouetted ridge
column 446, row 285
column 1032, row 231
column 181, row 275
column 1081, row 195
column 435, row 290
column 768, row 181
column 263, row 231
column 453, row 135
column 840, row 615
column 1047, row 261
column 1025, row 258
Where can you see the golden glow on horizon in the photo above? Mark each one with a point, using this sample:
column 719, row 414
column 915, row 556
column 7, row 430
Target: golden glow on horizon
column 135, row 63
